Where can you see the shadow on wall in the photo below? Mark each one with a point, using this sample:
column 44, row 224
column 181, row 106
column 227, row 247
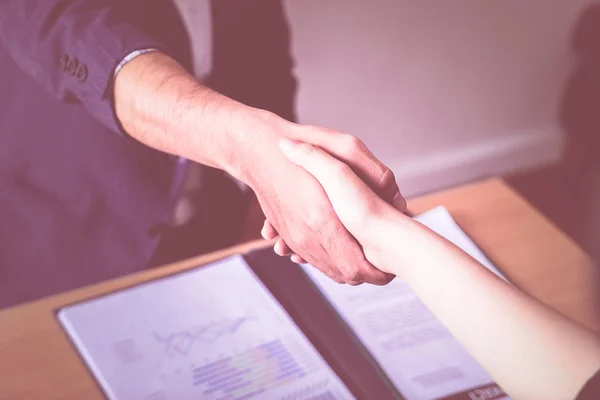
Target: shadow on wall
column 580, row 118
column 252, row 60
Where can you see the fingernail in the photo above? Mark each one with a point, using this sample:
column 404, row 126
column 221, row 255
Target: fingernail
column 286, row 144
column 398, row 202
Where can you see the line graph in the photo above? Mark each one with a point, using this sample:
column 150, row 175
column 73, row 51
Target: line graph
column 213, row 333
column 181, row 342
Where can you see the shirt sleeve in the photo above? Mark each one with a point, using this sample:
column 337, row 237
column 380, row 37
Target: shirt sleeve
column 130, row 57
column 591, row 390
column 73, row 47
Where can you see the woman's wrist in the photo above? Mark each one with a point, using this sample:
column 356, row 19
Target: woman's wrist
column 384, row 239
column 399, row 245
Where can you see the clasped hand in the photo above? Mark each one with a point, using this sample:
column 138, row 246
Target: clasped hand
column 337, row 187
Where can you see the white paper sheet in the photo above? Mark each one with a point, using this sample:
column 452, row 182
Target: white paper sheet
column 212, row 333
column 421, row 358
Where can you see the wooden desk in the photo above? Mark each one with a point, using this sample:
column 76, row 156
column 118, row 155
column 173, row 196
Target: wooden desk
column 38, row 361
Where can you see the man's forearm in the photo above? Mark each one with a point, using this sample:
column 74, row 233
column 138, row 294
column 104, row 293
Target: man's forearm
column 159, row 104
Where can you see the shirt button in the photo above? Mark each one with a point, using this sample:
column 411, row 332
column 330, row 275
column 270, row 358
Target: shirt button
column 72, row 66
column 64, row 60
column 82, row 73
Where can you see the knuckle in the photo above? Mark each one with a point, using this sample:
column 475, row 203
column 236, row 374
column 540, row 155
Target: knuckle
column 352, row 144
column 387, row 179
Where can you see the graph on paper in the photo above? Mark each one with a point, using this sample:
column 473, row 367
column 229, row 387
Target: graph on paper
column 181, row 342
column 212, row 333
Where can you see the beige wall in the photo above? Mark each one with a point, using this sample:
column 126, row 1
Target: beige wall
column 442, row 91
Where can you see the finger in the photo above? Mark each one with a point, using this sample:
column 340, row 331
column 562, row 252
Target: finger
column 353, row 152
column 268, row 231
column 355, row 283
column 281, row 248
column 319, row 259
column 336, row 178
column 297, row 259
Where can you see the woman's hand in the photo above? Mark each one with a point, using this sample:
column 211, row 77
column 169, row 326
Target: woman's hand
column 357, row 206
column 352, row 152
column 529, row 339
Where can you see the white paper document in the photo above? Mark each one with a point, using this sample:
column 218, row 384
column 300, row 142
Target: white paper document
column 421, row 358
column 211, row 333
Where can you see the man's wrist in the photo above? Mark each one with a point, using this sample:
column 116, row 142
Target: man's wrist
column 247, row 133
column 162, row 106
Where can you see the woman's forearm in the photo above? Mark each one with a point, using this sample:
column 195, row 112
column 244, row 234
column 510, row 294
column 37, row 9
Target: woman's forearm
column 532, row 351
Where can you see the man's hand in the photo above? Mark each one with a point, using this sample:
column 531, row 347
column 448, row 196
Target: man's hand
column 357, row 206
column 352, row 153
column 297, row 206
column 161, row 105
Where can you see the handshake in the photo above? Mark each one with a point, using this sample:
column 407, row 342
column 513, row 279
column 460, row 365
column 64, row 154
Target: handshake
column 318, row 196
column 338, row 191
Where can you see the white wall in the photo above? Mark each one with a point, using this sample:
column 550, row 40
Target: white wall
column 442, row 91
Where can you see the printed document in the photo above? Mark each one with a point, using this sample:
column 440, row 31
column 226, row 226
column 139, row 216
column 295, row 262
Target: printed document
column 212, row 333
column 421, row 358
